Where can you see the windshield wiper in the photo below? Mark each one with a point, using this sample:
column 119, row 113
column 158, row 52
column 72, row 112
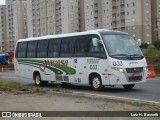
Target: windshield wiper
column 125, row 55
column 137, row 55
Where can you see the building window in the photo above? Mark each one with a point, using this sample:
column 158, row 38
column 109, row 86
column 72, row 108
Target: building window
column 127, row 5
column 133, row 11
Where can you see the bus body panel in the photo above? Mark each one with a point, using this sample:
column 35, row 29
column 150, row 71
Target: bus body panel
column 80, row 65
column 136, row 67
column 100, row 66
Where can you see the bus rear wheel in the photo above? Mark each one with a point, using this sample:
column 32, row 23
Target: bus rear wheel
column 96, row 82
column 128, row 87
column 38, row 81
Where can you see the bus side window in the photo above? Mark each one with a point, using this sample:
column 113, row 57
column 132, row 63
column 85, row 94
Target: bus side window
column 54, row 48
column 42, row 48
column 81, row 46
column 67, row 47
column 96, row 51
column 21, row 51
column 31, row 49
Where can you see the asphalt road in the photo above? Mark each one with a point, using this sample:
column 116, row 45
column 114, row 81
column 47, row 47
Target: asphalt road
column 149, row 91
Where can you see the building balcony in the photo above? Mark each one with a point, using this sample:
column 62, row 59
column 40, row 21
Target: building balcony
column 114, row 3
column 122, row 10
column 114, row 19
column 122, row 17
column 114, row 11
column 114, row 25
column 122, row 24
column 122, row 2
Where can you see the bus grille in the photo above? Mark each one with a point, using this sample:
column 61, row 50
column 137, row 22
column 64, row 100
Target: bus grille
column 59, row 78
column 134, row 70
column 62, row 78
column 132, row 79
column 66, row 79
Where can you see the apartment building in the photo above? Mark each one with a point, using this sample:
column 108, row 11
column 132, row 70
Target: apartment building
column 47, row 17
column 132, row 16
column 3, row 35
column 118, row 15
column 155, row 17
column 69, row 16
column 52, row 17
column 16, row 19
column 33, row 18
column 97, row 14
column 138, row 19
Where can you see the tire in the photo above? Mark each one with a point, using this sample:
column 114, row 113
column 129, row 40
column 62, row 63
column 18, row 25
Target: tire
column 128, row 87
column 38, row 81
column 96, row 82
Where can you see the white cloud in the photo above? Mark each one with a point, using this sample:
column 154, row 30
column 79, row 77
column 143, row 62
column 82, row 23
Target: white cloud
column 2, row 2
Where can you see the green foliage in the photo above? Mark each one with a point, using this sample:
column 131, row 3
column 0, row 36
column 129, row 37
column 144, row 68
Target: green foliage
column 9, row 84
column 144, row 45
column 157, row 44
column 152, row 53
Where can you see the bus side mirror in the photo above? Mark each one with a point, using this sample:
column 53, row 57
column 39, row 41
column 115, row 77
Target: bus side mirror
column 95, row 41
column 139, row 42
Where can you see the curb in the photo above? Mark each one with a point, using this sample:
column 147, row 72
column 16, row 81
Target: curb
column 86, row 95
column 108, row 98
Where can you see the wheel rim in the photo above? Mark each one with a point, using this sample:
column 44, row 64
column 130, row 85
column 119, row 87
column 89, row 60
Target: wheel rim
column 38, row 80
column 96, row 83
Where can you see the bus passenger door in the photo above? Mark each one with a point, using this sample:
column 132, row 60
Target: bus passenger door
column 80, row 59
column 80, row 65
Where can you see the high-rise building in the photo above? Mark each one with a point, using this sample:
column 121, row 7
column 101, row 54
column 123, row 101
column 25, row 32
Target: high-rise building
column 118, row 15
column 47, row 17
column 16, row 19
column 98, row 14
column 33, row 18
column 69, row 16
column 138, row 19
column 155, row 17
column 52, row 17
column 3, row 34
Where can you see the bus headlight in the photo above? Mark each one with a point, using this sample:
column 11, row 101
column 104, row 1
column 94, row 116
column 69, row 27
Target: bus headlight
column 118, row 69
column 145, row 69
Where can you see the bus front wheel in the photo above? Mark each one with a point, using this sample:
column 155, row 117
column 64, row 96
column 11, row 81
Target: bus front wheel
column 96, row 82
column 38, row 81
column 128, row 87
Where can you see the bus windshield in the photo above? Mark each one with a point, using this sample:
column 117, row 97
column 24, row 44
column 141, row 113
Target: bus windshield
column 122, row 46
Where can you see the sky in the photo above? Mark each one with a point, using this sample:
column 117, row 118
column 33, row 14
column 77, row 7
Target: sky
column 2, row 2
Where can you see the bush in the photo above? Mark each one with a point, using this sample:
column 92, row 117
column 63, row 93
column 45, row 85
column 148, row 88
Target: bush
column 144, row 45
column 157, row 44
column 10, row 84
column 152, row 53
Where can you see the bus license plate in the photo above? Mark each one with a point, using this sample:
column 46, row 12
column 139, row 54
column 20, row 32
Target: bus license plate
column 135, row 75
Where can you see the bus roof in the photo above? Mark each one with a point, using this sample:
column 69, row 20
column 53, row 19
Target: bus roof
column 96, row 31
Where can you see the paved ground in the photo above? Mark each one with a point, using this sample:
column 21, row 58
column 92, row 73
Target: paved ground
column 149, row 91
column 58, row 102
